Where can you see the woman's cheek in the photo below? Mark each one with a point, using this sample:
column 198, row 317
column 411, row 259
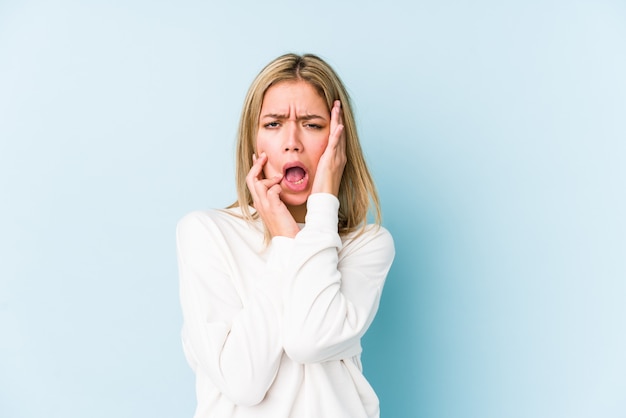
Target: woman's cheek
column 320, row 150
column 269, row 170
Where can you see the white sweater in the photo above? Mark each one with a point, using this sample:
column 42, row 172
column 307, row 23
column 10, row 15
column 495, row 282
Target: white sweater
column 274, row 331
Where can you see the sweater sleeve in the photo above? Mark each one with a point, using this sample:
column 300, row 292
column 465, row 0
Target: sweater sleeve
column 330, row 301
column 236, row 344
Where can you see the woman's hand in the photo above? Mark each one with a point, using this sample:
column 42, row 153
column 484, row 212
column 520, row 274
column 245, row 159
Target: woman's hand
column 333, row 160
column 266, row 198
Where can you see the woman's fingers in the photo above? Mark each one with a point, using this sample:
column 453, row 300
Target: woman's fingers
column 273, row 196
column 336, row 141
column 259, row 187
column 254, row 175
column 334, row 116
column 265, row 192
column 257, row 167
column 336, row 125
column 266, row 200
column 342, row 138
column 333, row 160
column 262, row 187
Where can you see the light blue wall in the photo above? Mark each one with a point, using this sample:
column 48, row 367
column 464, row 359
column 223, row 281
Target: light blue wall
column 497, row 135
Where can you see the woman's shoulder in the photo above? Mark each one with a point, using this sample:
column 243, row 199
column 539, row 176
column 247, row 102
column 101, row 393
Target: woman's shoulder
column 215, row 221
column 212, row 215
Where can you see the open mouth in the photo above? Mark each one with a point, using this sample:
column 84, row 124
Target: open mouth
column 295, row 175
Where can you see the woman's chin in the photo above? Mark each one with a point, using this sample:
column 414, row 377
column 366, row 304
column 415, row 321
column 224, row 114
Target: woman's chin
column 294, row 199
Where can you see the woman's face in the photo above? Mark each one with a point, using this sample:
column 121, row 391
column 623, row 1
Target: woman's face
column 294, row 126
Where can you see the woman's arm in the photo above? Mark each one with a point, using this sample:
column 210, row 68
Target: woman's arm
column 329, row 303
column 237, row 346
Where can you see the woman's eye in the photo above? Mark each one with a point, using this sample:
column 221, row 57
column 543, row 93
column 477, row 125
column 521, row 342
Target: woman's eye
column 313, row 126
column 271, row 125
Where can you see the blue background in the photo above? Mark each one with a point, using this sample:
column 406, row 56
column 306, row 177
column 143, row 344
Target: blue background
column 497, row 135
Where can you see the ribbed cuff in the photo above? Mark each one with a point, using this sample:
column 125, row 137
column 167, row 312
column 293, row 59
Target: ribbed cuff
column 322, row 212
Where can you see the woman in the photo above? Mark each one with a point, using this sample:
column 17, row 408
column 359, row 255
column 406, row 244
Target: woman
column 278, row 289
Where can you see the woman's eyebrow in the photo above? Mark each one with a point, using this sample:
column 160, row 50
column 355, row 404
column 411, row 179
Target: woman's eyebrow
column 309, row 117
column 303, row 117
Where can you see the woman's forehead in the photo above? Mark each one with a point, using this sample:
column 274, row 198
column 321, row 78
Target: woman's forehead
column 287, row 97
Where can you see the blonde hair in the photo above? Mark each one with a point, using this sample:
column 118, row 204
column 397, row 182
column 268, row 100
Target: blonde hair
column 357, row 192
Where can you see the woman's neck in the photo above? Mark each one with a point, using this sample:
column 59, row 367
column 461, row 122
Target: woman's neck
column 298, row 212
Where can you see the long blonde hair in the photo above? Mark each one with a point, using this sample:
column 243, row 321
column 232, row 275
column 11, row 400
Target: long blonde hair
column 357, row 192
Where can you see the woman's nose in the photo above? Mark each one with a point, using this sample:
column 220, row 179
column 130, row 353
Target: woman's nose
column 292, row 138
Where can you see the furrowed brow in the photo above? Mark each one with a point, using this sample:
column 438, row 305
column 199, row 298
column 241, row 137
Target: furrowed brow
column 300, row 118
column 274, row 116
column 310, row 117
